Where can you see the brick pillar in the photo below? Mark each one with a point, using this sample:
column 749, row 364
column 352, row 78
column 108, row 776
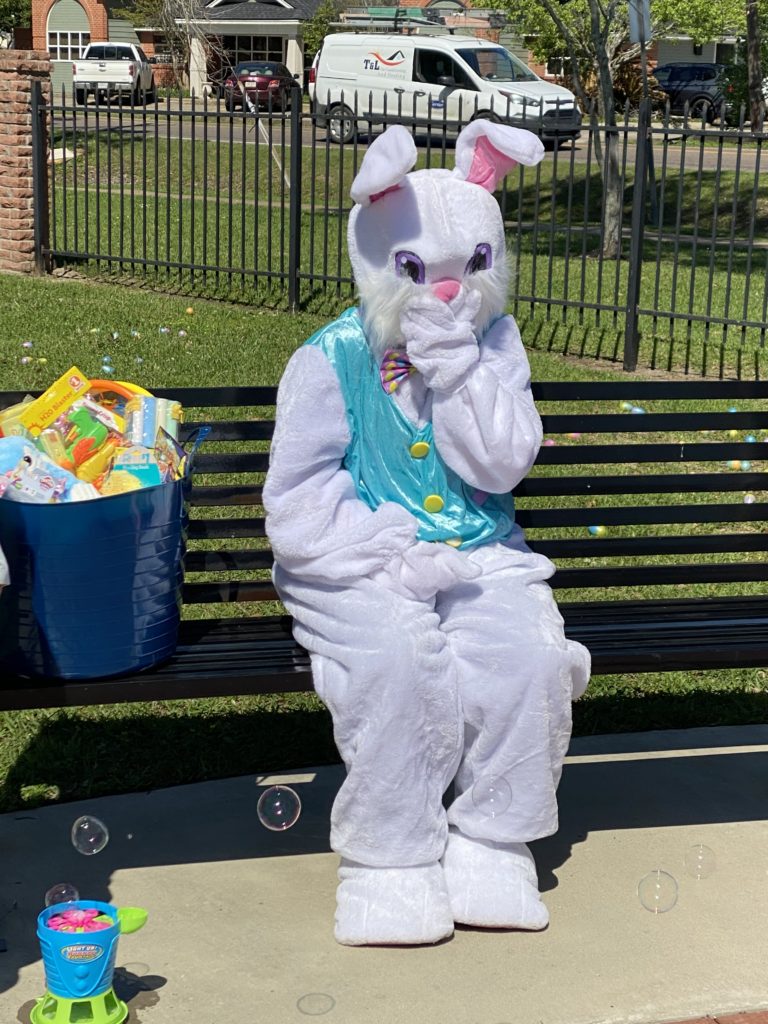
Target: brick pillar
column 18, row 70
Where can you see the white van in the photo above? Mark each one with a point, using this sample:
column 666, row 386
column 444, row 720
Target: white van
column 429, row 80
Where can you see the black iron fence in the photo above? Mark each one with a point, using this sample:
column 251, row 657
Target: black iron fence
column 651, row 234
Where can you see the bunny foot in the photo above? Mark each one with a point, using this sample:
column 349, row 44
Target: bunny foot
column 493, row 885
column 391, row 906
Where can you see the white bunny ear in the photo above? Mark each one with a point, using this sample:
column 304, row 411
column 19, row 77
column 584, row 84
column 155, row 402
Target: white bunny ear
column 486, row 152
column 385, row 164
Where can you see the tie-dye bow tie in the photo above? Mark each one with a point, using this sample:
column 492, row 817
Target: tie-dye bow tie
column 395, row 367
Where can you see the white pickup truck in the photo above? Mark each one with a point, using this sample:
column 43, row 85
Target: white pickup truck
column 110, row 69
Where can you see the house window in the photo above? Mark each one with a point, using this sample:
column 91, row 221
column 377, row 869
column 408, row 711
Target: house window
column 557, row 66
column 698, row 50
column 240, row 49
column 67, row 45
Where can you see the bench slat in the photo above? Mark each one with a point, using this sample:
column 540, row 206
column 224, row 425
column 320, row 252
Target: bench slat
column 660, row 575
column 540, row 518
column 588, row 454
column 225, row 529
column 596, row 547
column 632, row 390
column 626, row 423
column 231, row 430
column 654, row 483
column 226, row 494
column 258, row 655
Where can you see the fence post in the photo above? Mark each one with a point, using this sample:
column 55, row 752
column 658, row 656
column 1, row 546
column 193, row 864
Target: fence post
column 637, row 234
column 40, row 176
column 294, row 212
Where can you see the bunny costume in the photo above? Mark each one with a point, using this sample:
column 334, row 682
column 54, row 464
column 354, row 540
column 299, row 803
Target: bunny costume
column 435, row 641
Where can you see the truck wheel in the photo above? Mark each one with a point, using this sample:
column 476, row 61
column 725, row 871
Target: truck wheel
column 341, row 124
column 81, row 97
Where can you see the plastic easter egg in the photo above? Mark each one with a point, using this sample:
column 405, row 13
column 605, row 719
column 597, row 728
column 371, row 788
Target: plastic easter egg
column 548, row 442
column 749, row 499
column 637, row 410
column 750, row 439
column 746, row 466
column 626, row 407
column 596, row 531
column 575, row 436
column 734, row 464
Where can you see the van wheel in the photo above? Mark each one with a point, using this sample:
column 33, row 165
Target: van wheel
column 341, row 124
column 486, row 115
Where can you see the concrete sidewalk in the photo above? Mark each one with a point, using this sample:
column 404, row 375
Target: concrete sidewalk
column 241, row 919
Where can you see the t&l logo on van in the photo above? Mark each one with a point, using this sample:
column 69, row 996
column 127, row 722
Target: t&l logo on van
column 375, row 62
column 83, row 953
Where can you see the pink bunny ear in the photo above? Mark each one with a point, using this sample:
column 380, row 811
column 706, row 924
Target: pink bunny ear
column 385, row 164
column 486, row 152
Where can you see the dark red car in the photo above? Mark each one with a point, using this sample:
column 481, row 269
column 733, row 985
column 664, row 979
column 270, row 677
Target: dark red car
column 265, row 83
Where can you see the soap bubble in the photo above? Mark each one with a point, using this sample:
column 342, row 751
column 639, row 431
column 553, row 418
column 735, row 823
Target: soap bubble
column 62, row 892
column 492, row 795
column 700, row 861
column 657, row 891
column 279, row 808
column 89, row 835
column 315, row 1003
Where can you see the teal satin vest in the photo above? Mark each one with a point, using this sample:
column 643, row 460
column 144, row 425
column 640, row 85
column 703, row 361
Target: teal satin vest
column 391, row 459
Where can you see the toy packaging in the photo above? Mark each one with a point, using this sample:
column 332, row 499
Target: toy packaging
column 85, row 439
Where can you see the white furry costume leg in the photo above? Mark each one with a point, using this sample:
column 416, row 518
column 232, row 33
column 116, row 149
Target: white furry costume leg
column 483, row 671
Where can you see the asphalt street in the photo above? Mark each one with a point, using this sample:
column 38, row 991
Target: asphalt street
column 219, row 127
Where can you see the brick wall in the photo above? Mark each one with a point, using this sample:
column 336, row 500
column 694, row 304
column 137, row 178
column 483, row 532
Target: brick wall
column 18, row 70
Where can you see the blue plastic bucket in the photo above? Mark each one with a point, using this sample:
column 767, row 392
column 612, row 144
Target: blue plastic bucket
column 78, row 965
column 95, row 585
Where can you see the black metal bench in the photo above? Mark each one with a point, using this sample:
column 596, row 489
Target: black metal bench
column 248, row 653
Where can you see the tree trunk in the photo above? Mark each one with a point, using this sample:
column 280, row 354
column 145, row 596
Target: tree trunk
column 754, row 72
column 610, row 168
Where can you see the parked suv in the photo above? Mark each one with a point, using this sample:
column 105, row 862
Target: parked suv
column 703, row 87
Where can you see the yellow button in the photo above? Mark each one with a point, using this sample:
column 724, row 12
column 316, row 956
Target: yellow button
column 419, row 450
column 433, row 503
column 454, row 542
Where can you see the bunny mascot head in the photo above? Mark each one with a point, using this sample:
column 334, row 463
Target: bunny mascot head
column 434, row 231
column 401, row 429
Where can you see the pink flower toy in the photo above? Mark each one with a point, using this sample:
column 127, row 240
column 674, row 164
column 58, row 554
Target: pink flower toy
column 80, row 921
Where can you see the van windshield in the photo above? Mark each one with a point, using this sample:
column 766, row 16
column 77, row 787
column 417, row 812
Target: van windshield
column 497, row 65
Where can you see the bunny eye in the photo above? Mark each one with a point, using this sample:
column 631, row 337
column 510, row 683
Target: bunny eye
column 481, row 259
column 408, row 264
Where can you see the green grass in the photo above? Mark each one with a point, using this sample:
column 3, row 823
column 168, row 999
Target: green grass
column 74, row 753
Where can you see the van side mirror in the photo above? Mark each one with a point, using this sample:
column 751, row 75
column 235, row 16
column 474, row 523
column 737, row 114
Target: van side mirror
column 446, row 80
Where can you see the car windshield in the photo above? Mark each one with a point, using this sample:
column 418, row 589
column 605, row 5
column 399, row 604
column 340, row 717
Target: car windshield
column 497, row 65
column 256, row 69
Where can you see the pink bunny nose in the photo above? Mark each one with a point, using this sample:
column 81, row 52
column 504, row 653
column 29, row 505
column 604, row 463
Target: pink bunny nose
column 446, row 289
